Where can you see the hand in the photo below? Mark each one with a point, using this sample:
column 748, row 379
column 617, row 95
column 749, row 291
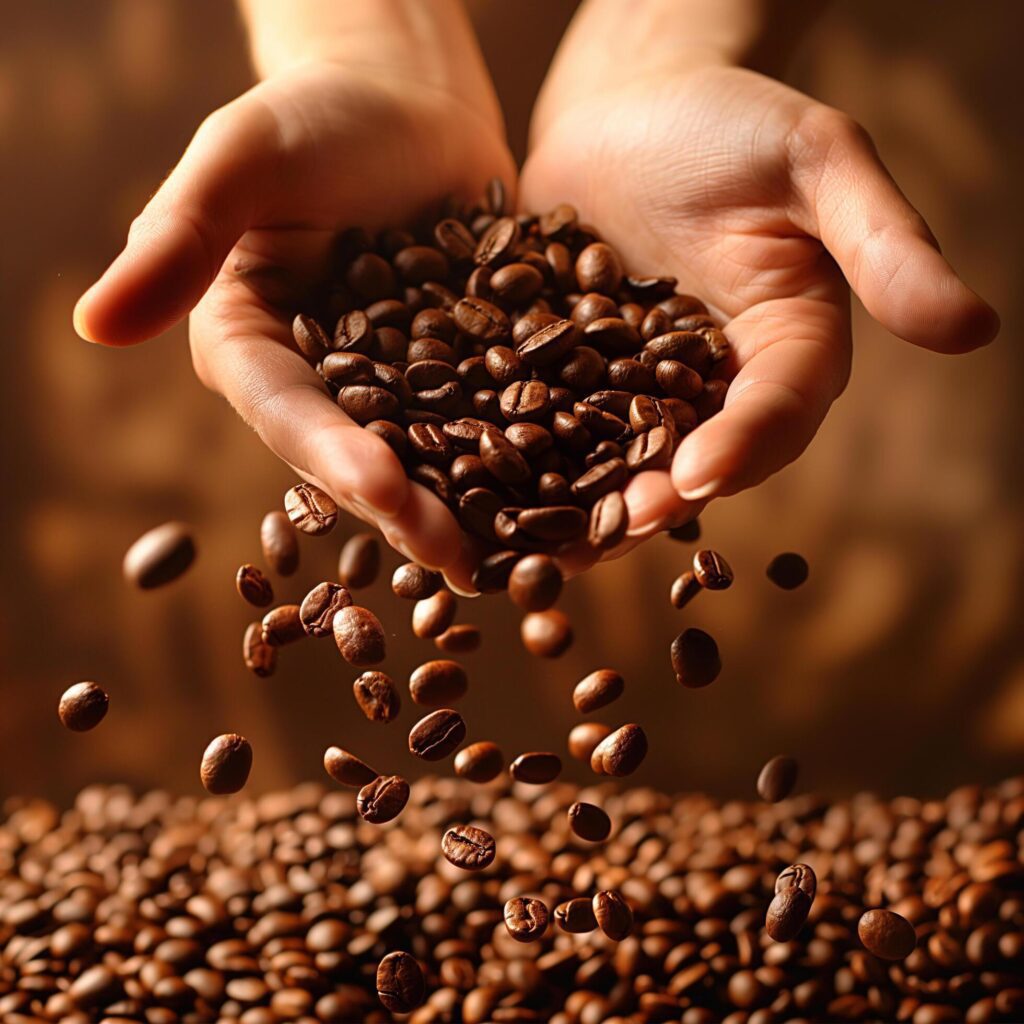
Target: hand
column 759, row 200
column 244, row 225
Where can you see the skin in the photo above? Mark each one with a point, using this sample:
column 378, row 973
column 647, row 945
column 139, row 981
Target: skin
column 768, row 205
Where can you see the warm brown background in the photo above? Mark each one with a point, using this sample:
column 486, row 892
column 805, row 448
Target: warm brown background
column 899, row 667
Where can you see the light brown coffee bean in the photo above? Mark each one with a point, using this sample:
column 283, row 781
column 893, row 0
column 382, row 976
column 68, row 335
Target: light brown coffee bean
column 597, row 690
column 253, row 586
column 311, row 509
column 319, row 607
column 226, row 764
column 431, row 616
column 347, row 769
column 377, row 697
column 359, row 636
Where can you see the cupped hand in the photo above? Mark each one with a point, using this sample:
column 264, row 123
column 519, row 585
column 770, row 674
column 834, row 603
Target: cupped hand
column 243, row 229
column 761, row 201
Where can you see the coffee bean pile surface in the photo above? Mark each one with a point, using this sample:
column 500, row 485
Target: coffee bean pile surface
column 291, row 908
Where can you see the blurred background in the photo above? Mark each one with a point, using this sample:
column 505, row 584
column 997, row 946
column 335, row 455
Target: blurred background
column 899, row 667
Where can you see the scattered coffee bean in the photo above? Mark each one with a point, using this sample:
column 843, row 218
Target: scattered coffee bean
column 535, row 583
column 695, row 658
column 777, row 779
column 597, row 690
column 711, row 570
column 283, row 625
column 83, row 706
column 253, row 586
column 377, row 697
column 589, row 822
column 279, row 543
column 437, row 683
column 414, row 583
column 226, row 764
column 319, row 607
column 684, row 589
column 400, row 983
column 311, row 509
column 359, row 636
column 584, row 738
column 536, row 768
column 576, row 916
column 479, row 762
column 382, row 799
column 260, row 657
column 886, row 934
column 787, row 913
column 620, row 753
column 433, row 615
column 461, row 638
column 347, row 769
column 788, row 570
column 613, row 914
column 437, row 735
column 546, row 634
column 359, row 562
column 526, row 919
column 160, row 556
column 468, row 847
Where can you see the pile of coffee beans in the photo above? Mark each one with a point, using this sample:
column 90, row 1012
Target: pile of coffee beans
column 488, row 904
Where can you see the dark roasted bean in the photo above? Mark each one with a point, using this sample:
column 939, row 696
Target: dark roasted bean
column 343, row 368
column 455, row 240
column 481, row 320
column 260, row 658
column 535, row 583
column 600, row 480
column 493, row 571
column 391, row 433
column 589, row 822
column 787, row 913
column 347, row 769
column 503, row 460
column 400, row 983
column 310, row 509
column 788, row 570
column 885, row 934
column 597, row 690
column 684, row 589
column 353, row 333
column 777, row 779
column 468, row 847
column 800, row 875
column 359, row 636
column 279, row 543
column 497, row 243
column 598, row 269
column 377, row 697
column 319, row 607
column 431, row 616
column 479, row 762
column 531, row 439
column 546, row 634
column 536, row 768
column 516, row 284
column 576, row 916
column 585, row 737
column 414, row 583
column 436, row 683
column 695, row 658
column 477, row 509
column 677, row 380
column 525, row 400
column 253, row 586
column 383, row 799
column 549, row 345
column 418, row 263
column 650, row 450
column 526, row 919
column 461, row 638
column 621, row 752
column 437, row 735
column 160, row 556
column 283, row 625
column 310, row 337
column 83, row 706
column 613, row 914
column 226, row 764
column 366, row 402
column 711, row 570
column 609, row 521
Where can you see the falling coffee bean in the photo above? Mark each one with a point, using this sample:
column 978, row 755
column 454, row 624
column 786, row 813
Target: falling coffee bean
column 535, row 583
column 359, row 636
column 347, row 769
column 788, row 570
column 526, row 919
column 468, row 847
column 800, row 875
column 461, row 638
column 787, row 913
column 613, row 914
column 597, row 690
column 319, row 607
column 437, row 683
column 536, row 768
column 359, row 562
column 695, row 658
column 383, row 799
column 283, row 625
column 711, row 570
column 576, row 916
column 777, row 779
column 584, row 738
column 414, row 583
column 433, row 615
column 437, row 735
column 83, row 706
column 311, row 509
column 479, row 762
column 226, row 764
column 400, row 983
column 886, row 934
column 260, row 657
column 160, row 556
column 620, row 753
column 377, row 697
column 589, row 822
column 684, row 589
column 254, row 587
column 546, row 634
column 279, row 543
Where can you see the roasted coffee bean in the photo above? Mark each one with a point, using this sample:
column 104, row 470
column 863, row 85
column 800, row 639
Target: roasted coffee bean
column 711, row 400
column 226, row 764
column 383, row 799
column 800, row 875
column 562, row 218
column 433, row 615
column 468, row 472
column 347, row 769
column 432, row 349
column 387, row 313
column 613, row 914
column 602, row 479
column 788, row 570
column 599, row 423
column 83, row 706
column 631, row 375
column 400, row 983
column 260, row 658
column 787, row 913
column 160, row 556
column 310, row 509
column 437, row 735
column 583, row 370
column 553, row 489
column 516, row 284
column 677, row 380
column 391, row 434
column 418, row 263
column 711, row 570
column 310, row 337
column 546, row 634
column 536, row 768
column 253, row 586
column 554, row 523
column 481, row 320
column 480, row 762
column 504, row 367
column 651, row 450
column 430, row 373
column 886, row 934
column 367, row 402
column 279, row 543
column 283, row 625
column 359, row 636
column 526, row 919
column 436, row 480
column 695, row 658
column 359, row 562
column 344, row 368
column 598, row 269
column 319, row 607
column 497, row 243
column 535, row 583
column 430, row 444
column 777, row 779
column 620, row 753
column 455, row 240
column 436, row 683
column 589, row 822
column 609, row 521
column 531, row 439
column 612, row 336
column 468, row 847
column 576, row 916
column 414, row 583
column 377, row 697
column 524, row 400
column 551, row 344
column 604, row 452
column 503, row 460
column 353, row 333
column 491, row 575
column 684, row 589
column 461, row 638
column 597, row 690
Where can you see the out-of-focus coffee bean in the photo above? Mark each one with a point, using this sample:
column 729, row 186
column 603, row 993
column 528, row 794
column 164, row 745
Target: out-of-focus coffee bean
column 777, row 778
column 253, row 586
column 620, row 753
column 526, row 919
column 319, row 607
column 160, row 556
column 431, row 616
column 437, row 735
column 536, row 768
column 83, row 706
column 597, row 690
column 400, row 983
column 684, row 589
column 377, row 697
column 347, row 769
column 589, row 822
column 479, row 762
column 437, row 683
column 711, row 570
column 259, row 657
column 468, row 847
column 383, row 799
column 311, row 509
column 886, row 934
column 613, row 914
column 359, row 636
column 535, row 583
column 226, row 764
column 576, row 916
column 283, row 625
column 359, row 562
column 584, row 738
column 546, row 634
column 279, row 543
column 462, row 638
column 414, row 583
column 788, row 570
column 695, row 658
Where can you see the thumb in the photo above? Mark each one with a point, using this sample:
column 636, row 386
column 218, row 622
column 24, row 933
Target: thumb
column 179, row 242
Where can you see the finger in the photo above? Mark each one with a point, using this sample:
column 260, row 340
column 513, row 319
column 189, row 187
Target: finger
column 849, row 200
column 179, row 242
column 655, row 505
column 424, row 530
column 796, row 361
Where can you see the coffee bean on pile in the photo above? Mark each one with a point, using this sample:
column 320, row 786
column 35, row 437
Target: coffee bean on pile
column 283, row 625
column 160, row 556
column 226, row 764
column 461, row 638
column 787, row 913
column 584, row 738
column 377, row 697
column 414, row 583
column 346, row 769
column 546, row 634
column 253, row 586
column 359, row 561
column 311, row 509
column 576, row 916
column 711, row 570
column 589, row 822
column 480, row 762
column 401, row 986
column 431, row 616
column 382, row 799
column 597, row 690
column 536, row 768
column 359, row 636
column 788, row 570
column 535, row 583
column 437, row 683
column 777, row 778
column 83, row 706
column 684, row 589
column 613, row 914
column 695, row 658
column 437, row 735
column 468, row 847
column 526, row 919
column 260, row 657
column 621, row 752
column 280, row 543
column 319, row 607
column 887, row 935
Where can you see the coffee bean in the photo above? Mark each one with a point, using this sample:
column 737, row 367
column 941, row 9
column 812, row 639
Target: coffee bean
column 226, row 764
column 253, row 586
column 497, row 243
column 97, row 986
column 612, row 336
column 437, row 683
column 479, row 762
column 467, row 847
column 526, row 919
column 535, row 583
column 800, row 875
column 310, row 509
column 283, row 625
column 550, row 344
column 613, row 914
column 377, row 697
column 503, row 460
column 414, row 583
column 695, row 658
column 310, row 337
column 524, row 400
column 359, row 562
column 787, row 913
column 160, row 556
column 482, row 320
column 600, row 423
column 319, row 607
column 546, row 634
column 788, row 570
column 433, row 615
column 885, row 934
column 418, row 263
column 279, row 543
column 602, row 479
column 437, row 735
column 650, row 450
column 344, row 368
column 688, row 533
column 458, row 639
column 576, row 916
column 83, row 706
column 455, row 240
column 359, row 636
column 347, row 769
column 620, row 753
column 589, row 822
column 492, row 574
column 553, row 489
column 597, row 690
column 531, row 439
column 383, row 799
column 684, row 589
column 711, row 570
column 536, row 768
column 678, row 380
column 609, row 521
column 367, row 402
column 554, row 523
column 260, row 658
column 598, row 269
column 777, row 779
column 400, row 983
column 353, row 332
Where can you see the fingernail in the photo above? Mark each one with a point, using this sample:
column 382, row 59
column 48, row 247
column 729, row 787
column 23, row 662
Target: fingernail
column 78, row 319
column 457, row 589
column 700, row 491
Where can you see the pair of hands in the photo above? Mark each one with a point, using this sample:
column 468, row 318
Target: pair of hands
column 763, row 202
